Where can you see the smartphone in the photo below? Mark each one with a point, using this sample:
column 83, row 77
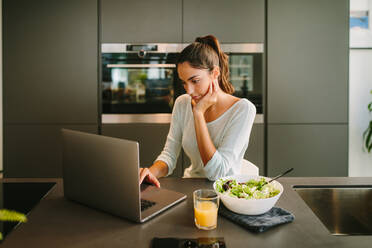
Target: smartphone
column 203, row 242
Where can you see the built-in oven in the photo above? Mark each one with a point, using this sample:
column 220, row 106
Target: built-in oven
column 140, row 80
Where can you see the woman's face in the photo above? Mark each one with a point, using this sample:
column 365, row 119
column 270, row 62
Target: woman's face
column 195, row 81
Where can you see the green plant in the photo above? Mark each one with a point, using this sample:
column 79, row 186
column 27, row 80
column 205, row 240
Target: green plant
column 367, row 135
column 11, row 215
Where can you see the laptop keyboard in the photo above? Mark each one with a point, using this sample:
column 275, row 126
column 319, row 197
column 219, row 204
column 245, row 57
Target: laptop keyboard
column 145, row 204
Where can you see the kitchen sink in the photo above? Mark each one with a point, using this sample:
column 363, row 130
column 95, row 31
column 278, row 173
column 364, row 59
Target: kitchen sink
column 344, row 210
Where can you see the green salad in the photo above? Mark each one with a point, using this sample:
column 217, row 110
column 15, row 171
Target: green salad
column 253, row 189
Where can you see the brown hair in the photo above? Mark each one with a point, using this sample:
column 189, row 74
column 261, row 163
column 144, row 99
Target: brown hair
column 206, row 53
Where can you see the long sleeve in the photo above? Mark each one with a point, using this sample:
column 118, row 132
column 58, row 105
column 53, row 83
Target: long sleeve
column 227, row 158
column 173, row 144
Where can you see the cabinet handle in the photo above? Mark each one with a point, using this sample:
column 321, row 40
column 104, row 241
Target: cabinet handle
column 141, row 65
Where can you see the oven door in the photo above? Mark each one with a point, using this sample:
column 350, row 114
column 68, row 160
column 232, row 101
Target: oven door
column 246, row 75
column 131, row 84
column 140, row 82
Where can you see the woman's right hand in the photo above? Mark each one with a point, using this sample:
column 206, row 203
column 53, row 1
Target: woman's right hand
column 146, row 175
column 209, row 99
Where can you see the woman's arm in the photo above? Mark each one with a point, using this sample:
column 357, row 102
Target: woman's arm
column 227, row 158
column 166, row 162
column 205, row 144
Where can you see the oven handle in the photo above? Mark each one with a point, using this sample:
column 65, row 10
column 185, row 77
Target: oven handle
column 141, row 65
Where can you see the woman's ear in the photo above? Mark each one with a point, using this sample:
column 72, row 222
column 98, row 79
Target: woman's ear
column 216, row 72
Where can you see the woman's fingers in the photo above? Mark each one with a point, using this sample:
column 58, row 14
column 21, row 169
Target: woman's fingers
column 193, row 103
column 145, row 174
column 153, row 180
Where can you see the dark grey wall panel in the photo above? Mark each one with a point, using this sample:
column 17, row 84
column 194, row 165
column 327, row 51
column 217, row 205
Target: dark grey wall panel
column 151, row 138
column 308, row 61
column 141, row 21
column 35, row 150
column 50, row 61
column 312, row 150
column 229, row 21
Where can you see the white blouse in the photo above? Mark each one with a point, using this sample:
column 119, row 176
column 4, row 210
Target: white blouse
column 229, row 132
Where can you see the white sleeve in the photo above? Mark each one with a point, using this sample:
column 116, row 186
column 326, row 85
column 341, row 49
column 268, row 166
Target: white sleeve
column 235, row 140
column 173, row 143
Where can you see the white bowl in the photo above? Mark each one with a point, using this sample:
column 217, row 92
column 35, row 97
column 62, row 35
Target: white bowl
column 249, row 206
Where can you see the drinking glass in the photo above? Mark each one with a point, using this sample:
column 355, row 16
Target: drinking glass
column 206, row 203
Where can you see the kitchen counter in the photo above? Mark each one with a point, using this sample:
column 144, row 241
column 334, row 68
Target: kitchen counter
column 57, row 222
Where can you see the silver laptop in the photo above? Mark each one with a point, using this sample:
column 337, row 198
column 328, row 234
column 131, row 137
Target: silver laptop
column 103, row 173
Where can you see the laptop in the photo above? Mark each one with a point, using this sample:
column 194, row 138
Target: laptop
column 103, row 173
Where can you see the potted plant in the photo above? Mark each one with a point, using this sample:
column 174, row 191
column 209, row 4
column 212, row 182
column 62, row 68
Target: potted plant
column 367, row 135
column 11, row 215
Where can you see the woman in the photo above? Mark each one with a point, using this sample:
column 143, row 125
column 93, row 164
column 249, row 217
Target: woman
column 210, row 124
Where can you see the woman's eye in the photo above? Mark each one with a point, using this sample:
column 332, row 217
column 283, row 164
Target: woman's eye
column 195, row 81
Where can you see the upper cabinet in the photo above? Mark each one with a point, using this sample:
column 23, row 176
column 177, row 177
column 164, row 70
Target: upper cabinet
column 50, row 61
column 308, row 50
column 230, row 21
column 141, row 21
column 175, row 21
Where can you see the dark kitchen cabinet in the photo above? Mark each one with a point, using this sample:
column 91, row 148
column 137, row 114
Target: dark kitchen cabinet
column 255, row 150
column 312, row 150
column 36, row 150
column 308, row 50
column 151, row 138
column 307, row 87
column 141, row 21
column 230, row 21
column 50, row 61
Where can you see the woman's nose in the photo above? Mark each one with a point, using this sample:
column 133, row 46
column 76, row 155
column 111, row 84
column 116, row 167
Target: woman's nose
column 189, row 89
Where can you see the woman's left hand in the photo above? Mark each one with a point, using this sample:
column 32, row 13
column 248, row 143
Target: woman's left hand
column 209, row 99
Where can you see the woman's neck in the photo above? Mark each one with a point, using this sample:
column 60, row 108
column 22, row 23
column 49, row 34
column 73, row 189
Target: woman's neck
column 222, row 98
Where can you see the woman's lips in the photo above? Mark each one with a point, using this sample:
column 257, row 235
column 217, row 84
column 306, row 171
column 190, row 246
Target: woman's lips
column 195, row 97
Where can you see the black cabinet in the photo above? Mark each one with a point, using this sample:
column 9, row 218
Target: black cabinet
column 50, row 81
column 230, row 21
column 36, row 150
column 307, row 87
column 312, row 150
column 174, row 21
column 50, row 61
column 141, row 21
column 255, row 150
column 151, row 139
column 308, row 50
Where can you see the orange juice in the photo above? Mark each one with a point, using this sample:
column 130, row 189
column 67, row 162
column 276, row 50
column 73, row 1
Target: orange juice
column 206, row 214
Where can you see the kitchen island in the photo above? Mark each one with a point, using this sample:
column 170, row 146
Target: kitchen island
column 57, row 222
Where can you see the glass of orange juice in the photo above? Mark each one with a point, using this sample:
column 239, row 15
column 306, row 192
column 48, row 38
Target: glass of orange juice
column 206, row 203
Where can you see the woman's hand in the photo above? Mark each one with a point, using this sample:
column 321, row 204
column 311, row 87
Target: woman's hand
column 146, row 174
column 209, row 99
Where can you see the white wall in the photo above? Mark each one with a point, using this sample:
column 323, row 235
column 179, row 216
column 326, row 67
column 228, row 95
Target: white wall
column 360, row 85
